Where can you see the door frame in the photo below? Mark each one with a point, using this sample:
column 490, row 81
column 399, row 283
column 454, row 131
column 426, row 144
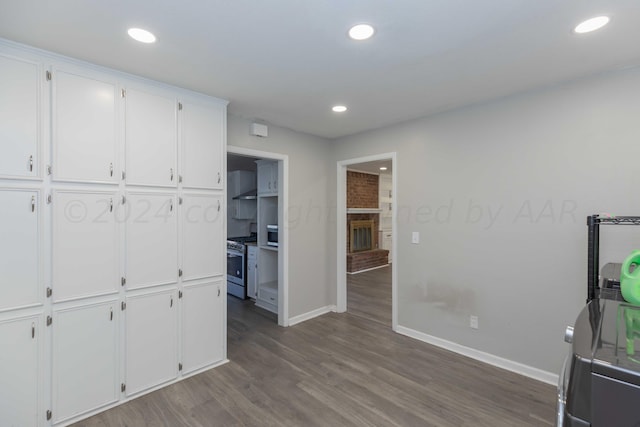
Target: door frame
column 341, row 248
column 283, row 232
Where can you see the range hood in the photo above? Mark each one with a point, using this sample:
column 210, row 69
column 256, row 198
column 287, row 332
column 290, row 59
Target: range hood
column 249, row 195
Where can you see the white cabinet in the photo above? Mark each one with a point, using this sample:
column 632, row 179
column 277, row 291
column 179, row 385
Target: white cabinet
column 203, row 134
column 267, row 176
column 151, row 239
column 19, row 248
column 243, row 209
column 387, row 243
column 20, row 371
column 84, row 127
column 151, row 340
column 202, row 325
column 85, row 244
column 20, row 117
column 252, row 271
column 151, row 139
column 202, row 246
column 85, row 358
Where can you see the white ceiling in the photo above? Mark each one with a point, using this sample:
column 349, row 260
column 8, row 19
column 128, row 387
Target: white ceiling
column 288, row 61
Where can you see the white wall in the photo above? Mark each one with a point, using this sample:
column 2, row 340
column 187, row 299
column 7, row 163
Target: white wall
column 500, row 193
column 311, row 170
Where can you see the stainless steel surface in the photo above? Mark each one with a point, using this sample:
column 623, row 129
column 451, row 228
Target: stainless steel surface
column 568, row 334
column 249, row 195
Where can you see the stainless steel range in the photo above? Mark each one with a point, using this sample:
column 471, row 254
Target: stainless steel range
column 237, row 265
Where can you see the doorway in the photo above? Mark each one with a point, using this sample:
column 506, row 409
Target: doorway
column 384, row 215
column 270, row 289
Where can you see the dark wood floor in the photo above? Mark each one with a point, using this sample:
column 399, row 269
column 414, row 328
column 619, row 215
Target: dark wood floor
column 337, row 370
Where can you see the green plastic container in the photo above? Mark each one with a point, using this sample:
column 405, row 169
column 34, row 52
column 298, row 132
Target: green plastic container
column 630, row 281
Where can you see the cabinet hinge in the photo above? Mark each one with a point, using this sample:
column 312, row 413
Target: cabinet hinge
column 48, row 75
column 49, row 414
column 179, row 106
column 124, row 175
column 123, row 281
column 179, row 272
column 123, row 93
column 123, row 387
column 179, row 294
column 49, row 320
column 124, row 200
column 179, row 200
column 49, row 169
column 49, row 292
column 123, row 306
column 49, row 199
column 180, row 179
column 179, row 366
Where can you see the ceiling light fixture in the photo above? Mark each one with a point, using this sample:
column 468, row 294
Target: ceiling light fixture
column 339, row 109
column 361, row 32
column 591, row 24
column 141, row 35
column 383, row 168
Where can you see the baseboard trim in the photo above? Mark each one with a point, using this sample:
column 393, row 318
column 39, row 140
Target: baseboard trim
column 500, row 362
column 310, row 315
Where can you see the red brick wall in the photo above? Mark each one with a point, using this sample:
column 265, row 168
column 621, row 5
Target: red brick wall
column 362, row 190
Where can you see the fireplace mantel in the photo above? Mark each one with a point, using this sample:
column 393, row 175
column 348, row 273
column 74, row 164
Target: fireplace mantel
column 363, row 211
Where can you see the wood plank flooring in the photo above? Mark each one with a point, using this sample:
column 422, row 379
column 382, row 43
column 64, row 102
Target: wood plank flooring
column 369, row 295
column 337, row 370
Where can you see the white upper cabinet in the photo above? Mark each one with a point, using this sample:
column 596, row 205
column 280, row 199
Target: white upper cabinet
column 202, row 244
column 84, row 127
column 85, row 243
column 19, row 117
column 267, row 176
column 85, row 359
column 151, row 239
column 20, row 371
column 151, row 340
column 19, row 248
column 151, row 139
column 203, row 130
column 202, row 325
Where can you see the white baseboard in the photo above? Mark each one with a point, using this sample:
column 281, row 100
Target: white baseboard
column 509, row 365
column 310, row 315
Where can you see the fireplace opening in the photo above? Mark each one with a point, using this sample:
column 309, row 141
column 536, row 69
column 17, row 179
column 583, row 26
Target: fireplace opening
column 361, row 234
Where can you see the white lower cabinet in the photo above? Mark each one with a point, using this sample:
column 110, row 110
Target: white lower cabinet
column 20, row 371
column 151, row 340
column 252, row 271
column 85, row 359
column 202, row 325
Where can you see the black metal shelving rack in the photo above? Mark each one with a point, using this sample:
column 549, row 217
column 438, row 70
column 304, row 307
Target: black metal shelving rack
column 593, row 223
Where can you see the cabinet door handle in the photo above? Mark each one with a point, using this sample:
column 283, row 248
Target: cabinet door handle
column 33, row 203
column 170, row 205
column 218, row 205
column 269, row 185
column 218, row 290
column 110, row 169
column 111, row 314
column 219, row 177
column 171, row 302
column 171, row 172
column 111, row 205
column 31, row 163
column 33, row 330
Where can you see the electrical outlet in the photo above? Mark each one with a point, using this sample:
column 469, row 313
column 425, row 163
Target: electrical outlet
column 473, row 322
column 415, row 237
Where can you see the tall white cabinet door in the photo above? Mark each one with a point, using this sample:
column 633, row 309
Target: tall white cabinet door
column 20, row 372
column 19, row 248
column 203, row 133
column 19, row 110
column 151, row 239
column 151, row 139
column 151, row 340
column 85, row 359
column 84, row 127
column 202, row 325
column 85, row 244
column 202, row 244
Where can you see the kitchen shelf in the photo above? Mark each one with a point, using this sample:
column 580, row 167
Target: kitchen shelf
column 273, row 285
column 269, row 248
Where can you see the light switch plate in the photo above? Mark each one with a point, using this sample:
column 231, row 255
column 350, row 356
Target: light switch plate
column 415, row 237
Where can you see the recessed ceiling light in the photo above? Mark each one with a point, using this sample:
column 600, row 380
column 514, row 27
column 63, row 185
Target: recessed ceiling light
column 383, row 168
column 591, row 24
column 361, row 31
column 339, row 109
column 141, row 35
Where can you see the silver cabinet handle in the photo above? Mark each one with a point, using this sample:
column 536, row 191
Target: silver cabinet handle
column 111, row 205
column 170, row 205
column 33, row 330
column 111, row 315
column 33, row 203
column 269, row 185
column 219, row 177
column 171, row 172
column 110, row 169
column 171, row 303
column 31, row 163
column 218, row 205
column 218, row 290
